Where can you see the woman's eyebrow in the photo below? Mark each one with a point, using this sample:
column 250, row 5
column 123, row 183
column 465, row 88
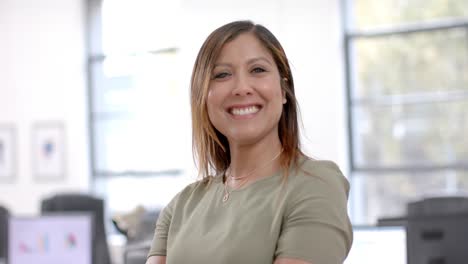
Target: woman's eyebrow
column 249, row 61
column 261, row 58
column 222, row 64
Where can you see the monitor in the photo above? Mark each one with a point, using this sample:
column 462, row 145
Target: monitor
column 378, row 244
column 50, row 239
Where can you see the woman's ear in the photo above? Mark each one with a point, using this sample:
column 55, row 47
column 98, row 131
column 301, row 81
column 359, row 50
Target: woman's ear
column 284, row 83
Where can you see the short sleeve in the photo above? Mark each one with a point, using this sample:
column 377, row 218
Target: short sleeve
column 316, row 226
column 159, row 243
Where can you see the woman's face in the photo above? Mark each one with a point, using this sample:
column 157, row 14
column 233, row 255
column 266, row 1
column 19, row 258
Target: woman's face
column 245, row 99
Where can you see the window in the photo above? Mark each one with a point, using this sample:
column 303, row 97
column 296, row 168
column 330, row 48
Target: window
column 407, row 85
column 139, row 107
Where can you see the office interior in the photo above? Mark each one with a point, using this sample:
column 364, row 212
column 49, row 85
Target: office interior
column 382, row 88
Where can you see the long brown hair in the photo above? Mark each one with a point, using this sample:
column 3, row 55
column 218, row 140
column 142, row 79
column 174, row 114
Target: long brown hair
column 210, row 147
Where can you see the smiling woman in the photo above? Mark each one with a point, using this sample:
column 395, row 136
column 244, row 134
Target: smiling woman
column 245, row 98
column 260, row 199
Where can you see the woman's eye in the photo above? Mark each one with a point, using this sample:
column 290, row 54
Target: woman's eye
column 258, row 70
column 221, row 75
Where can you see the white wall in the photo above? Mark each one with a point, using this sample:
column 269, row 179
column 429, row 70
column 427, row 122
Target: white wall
column 43, row 78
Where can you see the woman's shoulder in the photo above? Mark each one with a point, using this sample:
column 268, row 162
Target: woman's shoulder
column 198, row 187
column 192, row 192
column 313, row 173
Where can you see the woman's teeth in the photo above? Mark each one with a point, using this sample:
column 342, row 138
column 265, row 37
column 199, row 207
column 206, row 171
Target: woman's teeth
column 245, row 110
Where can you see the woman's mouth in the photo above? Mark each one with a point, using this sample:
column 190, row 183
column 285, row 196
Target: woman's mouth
column 241, row 111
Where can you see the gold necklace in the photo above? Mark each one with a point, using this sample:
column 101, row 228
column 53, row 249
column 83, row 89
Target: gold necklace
column 227, row 193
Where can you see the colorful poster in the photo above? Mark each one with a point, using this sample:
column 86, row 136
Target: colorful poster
column 49, row 151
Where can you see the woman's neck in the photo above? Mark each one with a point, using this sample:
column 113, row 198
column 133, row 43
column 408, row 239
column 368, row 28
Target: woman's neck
column 255, row 161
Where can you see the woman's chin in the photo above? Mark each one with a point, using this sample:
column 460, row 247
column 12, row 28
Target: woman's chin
column 246, row 138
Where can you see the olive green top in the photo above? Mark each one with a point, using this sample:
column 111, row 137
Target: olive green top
column 303, row 218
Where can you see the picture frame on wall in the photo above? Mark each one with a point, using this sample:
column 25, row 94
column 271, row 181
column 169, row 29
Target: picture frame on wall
column 48, row 150
column 7, row 153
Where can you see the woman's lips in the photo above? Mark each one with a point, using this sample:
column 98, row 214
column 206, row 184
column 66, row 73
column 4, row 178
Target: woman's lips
column 246, row 110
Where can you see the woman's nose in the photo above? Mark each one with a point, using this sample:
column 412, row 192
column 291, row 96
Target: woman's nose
column 242, row 86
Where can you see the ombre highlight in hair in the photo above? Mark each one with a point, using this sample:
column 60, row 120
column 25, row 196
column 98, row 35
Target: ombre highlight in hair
column 210, row 147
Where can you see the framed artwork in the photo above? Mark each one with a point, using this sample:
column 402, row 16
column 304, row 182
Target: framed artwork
column 48, row 151
column 7, row 153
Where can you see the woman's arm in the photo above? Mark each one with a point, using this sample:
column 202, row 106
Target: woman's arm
column 162, row 260
column 289, row 261
column 316, row 226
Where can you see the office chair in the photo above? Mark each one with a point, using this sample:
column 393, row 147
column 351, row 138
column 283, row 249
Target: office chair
column 83, row 203
column 4, row 214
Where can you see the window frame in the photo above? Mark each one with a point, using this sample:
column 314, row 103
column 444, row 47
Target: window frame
column 357, row 174
column 95, row 55
column 349, row 36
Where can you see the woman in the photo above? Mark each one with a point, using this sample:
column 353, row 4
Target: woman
column 268, row 202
